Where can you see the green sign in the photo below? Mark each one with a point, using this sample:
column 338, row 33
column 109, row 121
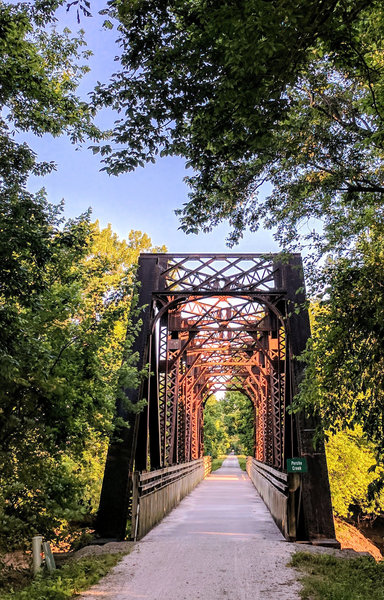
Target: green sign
column 297, row 465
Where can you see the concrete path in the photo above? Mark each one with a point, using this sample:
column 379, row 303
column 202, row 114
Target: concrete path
column 220, row 543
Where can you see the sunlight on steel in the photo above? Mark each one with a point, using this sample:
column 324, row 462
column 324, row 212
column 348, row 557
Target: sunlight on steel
column 212, row 323
column 216, row 327
column 211, row 272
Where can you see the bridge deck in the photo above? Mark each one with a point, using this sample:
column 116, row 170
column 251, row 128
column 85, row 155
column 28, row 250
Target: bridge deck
column 220, row 542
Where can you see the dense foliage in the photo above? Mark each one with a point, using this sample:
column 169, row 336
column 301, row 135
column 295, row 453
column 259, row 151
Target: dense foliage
column 66, row 289
column 355, row 477
column 39, row 282
column 63, row 341
column 289, row 93
column 228, row 425
column 345, row 359
column 66, row 582
column 215, row 435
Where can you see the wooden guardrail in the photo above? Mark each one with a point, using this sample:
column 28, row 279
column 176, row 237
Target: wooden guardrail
column 155, row 493
column 278, row 490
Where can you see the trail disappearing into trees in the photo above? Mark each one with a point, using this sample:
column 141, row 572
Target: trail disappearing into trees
column 220, row 542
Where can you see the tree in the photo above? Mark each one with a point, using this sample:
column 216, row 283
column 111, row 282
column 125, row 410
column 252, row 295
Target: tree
column 38, row 78
column 215, row 435
column 228, row 424
column 353, row 475
column 37, row 421
column 285, row 92
column 61, row 367
column 65, row 292
column 40, row 72
column 344, row 380
column 239, row 421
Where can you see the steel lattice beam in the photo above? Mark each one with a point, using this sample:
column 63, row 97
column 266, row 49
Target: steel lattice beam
column 215, row 322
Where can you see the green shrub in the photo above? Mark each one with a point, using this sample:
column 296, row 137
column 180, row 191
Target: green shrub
column 216, row 463
column 66, row 582
column 353, row 472
column 242, row 462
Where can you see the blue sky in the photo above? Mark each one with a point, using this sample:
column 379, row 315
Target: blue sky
column 144, row 200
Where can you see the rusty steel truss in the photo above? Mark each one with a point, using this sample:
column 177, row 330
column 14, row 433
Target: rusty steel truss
column 215, row 323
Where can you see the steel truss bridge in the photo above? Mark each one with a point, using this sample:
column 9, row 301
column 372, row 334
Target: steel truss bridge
column 219, row 322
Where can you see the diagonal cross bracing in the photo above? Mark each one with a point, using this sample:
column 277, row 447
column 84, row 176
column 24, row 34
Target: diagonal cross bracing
column 221, row 324
column 210, row 323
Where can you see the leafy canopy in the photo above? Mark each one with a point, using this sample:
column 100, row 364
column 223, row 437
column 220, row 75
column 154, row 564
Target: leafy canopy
column 344, row 380
column 289, row 93
column 40, row 71
column 64, row 356
column 229, row 425
column 285, row 93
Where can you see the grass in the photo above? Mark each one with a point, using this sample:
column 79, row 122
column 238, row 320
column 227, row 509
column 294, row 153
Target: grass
column 64, row 583
column 216, row 463
column 325, row 577
column 242, row 461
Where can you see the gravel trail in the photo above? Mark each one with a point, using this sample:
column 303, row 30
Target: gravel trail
column 220, row 543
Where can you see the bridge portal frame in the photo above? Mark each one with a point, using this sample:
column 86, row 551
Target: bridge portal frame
column 161, row 435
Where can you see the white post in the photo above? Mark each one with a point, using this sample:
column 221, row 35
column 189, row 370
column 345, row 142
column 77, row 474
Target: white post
column 137, row 521
column 36, row 553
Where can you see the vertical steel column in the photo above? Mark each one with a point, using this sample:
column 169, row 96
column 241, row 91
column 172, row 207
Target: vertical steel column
column 163, row 362
column 154, row 417
column 117, row 483
column 277, row 349
column 260, row 393
column 316, row 497
column 254, row 428
column 173, row 399
column 181, row 413
column 189, row 399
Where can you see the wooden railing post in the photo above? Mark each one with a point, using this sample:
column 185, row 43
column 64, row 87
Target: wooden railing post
column 135, row 505
column 294, row 483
